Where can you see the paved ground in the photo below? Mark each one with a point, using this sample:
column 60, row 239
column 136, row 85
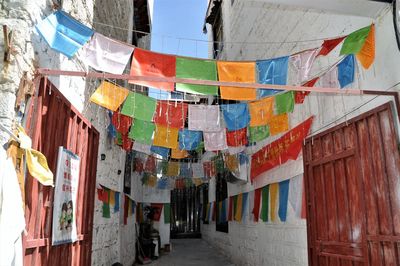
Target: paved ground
column 191, row 252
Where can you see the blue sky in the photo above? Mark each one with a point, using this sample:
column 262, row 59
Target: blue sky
column 174, row 19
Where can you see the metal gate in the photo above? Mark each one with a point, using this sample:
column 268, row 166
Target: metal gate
column 352, row 175
column 54, row 122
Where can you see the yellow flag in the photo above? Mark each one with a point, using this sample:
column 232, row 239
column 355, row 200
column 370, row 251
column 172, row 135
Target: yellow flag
column 231, row 162
column 238, row 214
column 166, row 137
column 278, row 124
column 179, row 154
column 173, row 169
column 261, row 111
column 152, row 182
column 273, row 193
column 112, row 198
column 109, row 95
column 197, row 181
column 367, row 54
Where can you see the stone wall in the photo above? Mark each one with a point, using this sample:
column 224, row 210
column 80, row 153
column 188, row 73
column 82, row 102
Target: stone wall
column 256, row 21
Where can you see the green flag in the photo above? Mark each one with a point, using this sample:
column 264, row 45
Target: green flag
column 106, row 205
column 265, row 200
column 355, row 41
column 119, row 138
column 167, row 213
column 139, row 106
column 196, row 69
column 284, row 103
column 142, row 131
column 259, row 133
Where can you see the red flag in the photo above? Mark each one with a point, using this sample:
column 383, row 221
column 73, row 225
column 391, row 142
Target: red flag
column 301, row 95
column 127, row 143
column 257, row 200
column 150, row 64
column 236, row 138
column 171, row 114
column 157, row 208
column 121, row 122
column 281, row 150
column 102, row 195
column 150, row 165
column 329, row 45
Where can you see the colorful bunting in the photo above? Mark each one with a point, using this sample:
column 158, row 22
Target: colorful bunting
column 278, row 124
column 259, row 133
column 261, row 111
column 366, row 55
column 121, row 122
column 166, row 137
column 355, row 41
column 284, row 102
column 151, row 64
column 109, row 96
column 139, row 106
column 204, row 117
column 346, row 71
column 271, row 71
column 196, row 69
column 236, row 115
column 189, row 139
column 64, row 33
column 329, row 45
column 142, row 131
column 237, row 72
column 236, row 138
column 283, row 199
column 215, row 141
column 171, row 114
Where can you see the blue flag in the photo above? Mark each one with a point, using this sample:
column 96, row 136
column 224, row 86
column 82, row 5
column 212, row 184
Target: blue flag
column 346, row 71
column 272, row 71
column 283, row 199
column 189, row 139
column 164, row 152
column 236, row 115
column 116, row 199
column 64, row 33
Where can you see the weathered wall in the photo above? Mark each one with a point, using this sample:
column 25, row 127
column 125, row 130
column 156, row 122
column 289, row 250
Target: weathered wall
column 31, row 51
column 255, row 21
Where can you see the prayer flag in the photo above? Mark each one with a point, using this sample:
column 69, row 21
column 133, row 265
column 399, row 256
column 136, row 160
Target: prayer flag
column 330, row 79
column 150, row 166
column 204, row 117
column 265, row 203
column 138, row 167
column 215, row 141
column 219, row 164
column 171, row 114
column 198, row 170
column 167, row 213
column 244, row 205
column 236, row 138
column 116, row 200
column 283, row 199
column 118, row 140
column 64, row 33
column 139, row 106
column 209, row 169
column 105, row 54
column 235, row 207
column 236, row 115
column 173, row 169
column 166, row 137
column 152, row 181
column 232, row 162
column 355, row 41
column 109, row 96
column 284, row 103
column 164, row 152
column 272, row 71
column 239, row 208
column 256, row 206
column 121, row 122
column 329, row 45
column 112, row 197
column 295, row 194
column 157, row 207
column 237, row 72
column 38, row 167
column 142, row 131
column 302, row 63
column 102, row 195
column 106, row 204
column 185, row 170
column 151, row 64
column 126, row 143
column 301, row 95
column 141, row 147
column 278, row 124
column 273, row 192
column 189, row 139
column 251, row 205
column 259, row 133
column 346, row 71
column 162, row 183
column 179, row 154
column 366, row 56
column 261, row 111
column 196, row 69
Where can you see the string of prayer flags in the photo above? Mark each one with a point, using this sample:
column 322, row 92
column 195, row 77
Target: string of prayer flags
column 162, row 151
column 105, row 54
column 296, row 194
column 281, row 150
column 271, row 71
column 283, row 199
column 278, row 124
column 346, row 71
column 121, row 122
column 197, row 170
column 141, row 147
column 330, row 79
column 171, row 114
column 258, row 133
column 189, row 139
column 215, row 141
column 236, row 115
column 265, row 203
column 204, row 118
column 256, row 205
column 139, row 106
column 179, row 154
column 173, row 169
column 167, row 213
column 261, row 111
column 64, row 33
column 302, row 63
column 142, row 131
column 236, row 138
column 237, row 72
column 355, row 41
column 166, row 137
column 366, row 55
column 301, row 95
column 151, row 64
column 329, row 45
column 196, row 69
column 273, row 193
column 109, row 95
column 284, row 102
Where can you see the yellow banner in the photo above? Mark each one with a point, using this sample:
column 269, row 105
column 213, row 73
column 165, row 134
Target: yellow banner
column 109, row 95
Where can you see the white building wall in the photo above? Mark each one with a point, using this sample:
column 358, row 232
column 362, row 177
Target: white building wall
column 256, row 21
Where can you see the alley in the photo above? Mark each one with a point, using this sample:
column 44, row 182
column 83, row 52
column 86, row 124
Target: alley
column 192, row 252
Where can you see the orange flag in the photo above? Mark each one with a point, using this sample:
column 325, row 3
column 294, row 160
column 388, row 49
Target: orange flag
column 179, row 154
column 261, row 111
column 367, row 54
column 273, row 194
column 237, row 72
column 166, row 137
column 278, row 124
column 150, row 64
column 109, row 95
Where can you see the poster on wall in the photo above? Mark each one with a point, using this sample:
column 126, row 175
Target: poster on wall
column 65, row 194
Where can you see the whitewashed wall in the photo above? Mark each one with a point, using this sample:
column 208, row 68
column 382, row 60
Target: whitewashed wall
column 255, row 21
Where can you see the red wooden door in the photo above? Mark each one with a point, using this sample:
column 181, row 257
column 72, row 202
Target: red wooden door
column 352, row 175
column 54, row 122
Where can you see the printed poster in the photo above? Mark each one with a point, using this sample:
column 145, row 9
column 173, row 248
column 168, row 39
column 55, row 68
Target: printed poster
column 65, row 195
